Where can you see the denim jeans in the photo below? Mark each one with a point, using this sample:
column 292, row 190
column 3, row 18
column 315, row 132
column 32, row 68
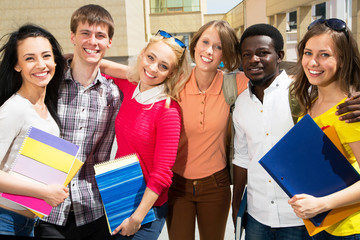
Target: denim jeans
column 326, row 236
column 152, row 230
column 14, row 224
column 257, row 231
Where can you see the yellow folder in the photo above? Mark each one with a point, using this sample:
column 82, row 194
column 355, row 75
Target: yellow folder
column 338, row 214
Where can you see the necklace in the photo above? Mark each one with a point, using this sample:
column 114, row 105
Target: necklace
column 200, row 91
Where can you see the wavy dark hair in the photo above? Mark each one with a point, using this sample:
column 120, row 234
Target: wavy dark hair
column 11, row 80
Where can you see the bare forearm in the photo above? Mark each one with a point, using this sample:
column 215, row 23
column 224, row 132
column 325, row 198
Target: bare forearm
column 147, row 202
column 114, row 69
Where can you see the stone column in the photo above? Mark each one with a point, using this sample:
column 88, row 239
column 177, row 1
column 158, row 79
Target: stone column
column 280, row 24
column 303, row 20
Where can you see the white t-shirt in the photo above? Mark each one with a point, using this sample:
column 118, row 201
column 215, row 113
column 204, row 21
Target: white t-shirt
column 17, row 115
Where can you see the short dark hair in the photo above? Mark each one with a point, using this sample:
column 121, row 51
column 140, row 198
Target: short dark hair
column 93, row 14
column 11, row 80
column 264, row 30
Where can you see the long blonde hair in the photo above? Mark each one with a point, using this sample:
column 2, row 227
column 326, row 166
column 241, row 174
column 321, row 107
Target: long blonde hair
column 175, row 82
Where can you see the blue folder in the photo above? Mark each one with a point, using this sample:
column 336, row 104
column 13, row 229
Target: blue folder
column 306, row 161
column 241, row 216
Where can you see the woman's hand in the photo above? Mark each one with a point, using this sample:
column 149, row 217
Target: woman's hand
column 352, row 107
column 306, row 206
column 55, row 194
column 128, row 227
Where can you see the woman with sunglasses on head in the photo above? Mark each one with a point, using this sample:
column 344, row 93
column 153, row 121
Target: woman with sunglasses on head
column 31, row 70
column 328, row 70
column 149, row 124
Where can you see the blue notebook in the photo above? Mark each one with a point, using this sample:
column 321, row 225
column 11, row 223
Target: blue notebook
column 306, row 161
column 121, row 184
column 241, row 216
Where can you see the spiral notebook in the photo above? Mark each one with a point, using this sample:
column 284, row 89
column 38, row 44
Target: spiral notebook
column 305, row 160
column 46, row 159
column 121, row 184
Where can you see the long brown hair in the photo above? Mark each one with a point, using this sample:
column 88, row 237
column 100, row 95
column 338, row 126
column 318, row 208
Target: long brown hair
column 348, row 73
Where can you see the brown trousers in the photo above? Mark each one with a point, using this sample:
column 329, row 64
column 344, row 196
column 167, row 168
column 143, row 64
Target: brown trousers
column 207, row 199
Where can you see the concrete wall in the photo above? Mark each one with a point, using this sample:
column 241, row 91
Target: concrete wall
column 235, row 17
column 276, row 6
column 176, row 22
column 55, row 17
column 255, row 12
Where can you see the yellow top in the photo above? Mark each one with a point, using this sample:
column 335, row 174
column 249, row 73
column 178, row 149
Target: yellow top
column 347, row 133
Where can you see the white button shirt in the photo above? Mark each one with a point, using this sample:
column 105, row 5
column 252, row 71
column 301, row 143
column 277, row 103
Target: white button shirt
column 258, row 127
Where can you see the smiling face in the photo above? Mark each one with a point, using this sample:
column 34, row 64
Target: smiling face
column 259, row 59
column 208, row 50
column 319, row 60
column 157, row 62
column 91, row 42
column 36, row 62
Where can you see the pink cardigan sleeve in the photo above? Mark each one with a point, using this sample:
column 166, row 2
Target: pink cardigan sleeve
column 167, row 139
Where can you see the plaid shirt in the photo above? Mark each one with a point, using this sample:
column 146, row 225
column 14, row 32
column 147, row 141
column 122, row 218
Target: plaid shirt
column 87, row 116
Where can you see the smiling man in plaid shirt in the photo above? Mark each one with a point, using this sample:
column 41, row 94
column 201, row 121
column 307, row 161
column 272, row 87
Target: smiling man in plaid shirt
column 87, row 109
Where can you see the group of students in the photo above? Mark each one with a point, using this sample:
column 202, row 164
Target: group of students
column 176, row 119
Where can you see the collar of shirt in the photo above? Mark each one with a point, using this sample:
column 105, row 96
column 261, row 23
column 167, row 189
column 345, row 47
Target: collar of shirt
column 215, row 88
column 280, row 81
column 150, row 96
column 99, row 78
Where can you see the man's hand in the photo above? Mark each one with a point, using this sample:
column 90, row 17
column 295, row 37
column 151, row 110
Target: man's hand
column 352, row 107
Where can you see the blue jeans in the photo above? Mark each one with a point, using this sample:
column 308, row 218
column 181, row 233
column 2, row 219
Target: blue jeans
column 326, row 236
column 257, row 231
column 152, row 230
column 14, row 224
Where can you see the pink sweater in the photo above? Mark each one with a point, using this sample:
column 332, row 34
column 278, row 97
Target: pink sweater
column 152, row 133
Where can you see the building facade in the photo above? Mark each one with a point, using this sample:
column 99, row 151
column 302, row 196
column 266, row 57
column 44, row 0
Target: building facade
column 136, row 20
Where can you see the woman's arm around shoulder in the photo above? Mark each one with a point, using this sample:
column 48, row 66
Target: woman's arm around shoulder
column 114, row 69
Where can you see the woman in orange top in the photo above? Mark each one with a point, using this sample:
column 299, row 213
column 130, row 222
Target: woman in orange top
column 201, row 182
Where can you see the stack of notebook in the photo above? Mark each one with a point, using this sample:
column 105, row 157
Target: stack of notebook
column 45, row 159
column 121, row 184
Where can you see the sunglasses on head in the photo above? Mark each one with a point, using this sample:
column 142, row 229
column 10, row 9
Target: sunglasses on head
column 168, row 35
column 333, row 23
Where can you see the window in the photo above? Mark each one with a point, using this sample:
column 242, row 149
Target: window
column 168, row 6
column 292, row 21
column 320, row 10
